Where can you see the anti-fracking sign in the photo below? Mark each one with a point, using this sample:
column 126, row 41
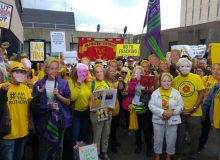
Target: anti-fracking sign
column 5, row 15
column 37, row 50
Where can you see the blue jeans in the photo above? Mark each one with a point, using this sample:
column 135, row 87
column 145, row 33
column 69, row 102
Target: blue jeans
column 80, row 126
column 12, row 149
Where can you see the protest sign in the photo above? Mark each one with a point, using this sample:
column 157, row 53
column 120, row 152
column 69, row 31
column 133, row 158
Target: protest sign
column 148, row 81
column 5, row 15
column 70, row 57
column 3, row 70
column 103, row 98
column 37, row 50
column 58, row 42
column 88, row 152
column 128, row 50
column 191, row 51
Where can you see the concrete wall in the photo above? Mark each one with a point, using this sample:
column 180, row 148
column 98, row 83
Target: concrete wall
column 191, row 35
column 199, row 11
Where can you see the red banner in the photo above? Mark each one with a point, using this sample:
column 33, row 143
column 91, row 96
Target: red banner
column 93, row 49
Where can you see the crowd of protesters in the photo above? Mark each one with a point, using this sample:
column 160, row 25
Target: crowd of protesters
column 47, row 106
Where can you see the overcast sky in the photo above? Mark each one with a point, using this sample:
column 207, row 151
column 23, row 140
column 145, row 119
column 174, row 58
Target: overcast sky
column 112, row 15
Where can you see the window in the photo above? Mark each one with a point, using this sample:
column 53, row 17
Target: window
column 171, row 44
column 73, row 46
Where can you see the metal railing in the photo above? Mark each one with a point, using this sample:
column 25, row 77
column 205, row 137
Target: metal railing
column 48, row 26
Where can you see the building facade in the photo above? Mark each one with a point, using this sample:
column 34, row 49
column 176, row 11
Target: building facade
column 195, row 12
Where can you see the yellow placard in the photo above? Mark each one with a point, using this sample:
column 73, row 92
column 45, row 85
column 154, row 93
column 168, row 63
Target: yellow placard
column 37, row 51
column 128, row 50
column 215, row 53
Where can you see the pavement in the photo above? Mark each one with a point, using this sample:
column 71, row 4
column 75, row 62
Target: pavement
column 127, row 147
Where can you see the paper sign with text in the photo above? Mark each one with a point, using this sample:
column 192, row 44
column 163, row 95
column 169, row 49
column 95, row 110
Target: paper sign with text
column 58, row 42
column 37, row 51
column 5, row 15
column 128, row 50
column 88, row 152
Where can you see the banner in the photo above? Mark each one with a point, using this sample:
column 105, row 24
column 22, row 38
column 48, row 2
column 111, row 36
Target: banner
column 94, row 49
column 5, row 15
column 215, row 52
column 128, row 50
column 58, row 42
column 153, row 22
column 37, row 50
column 191, row 51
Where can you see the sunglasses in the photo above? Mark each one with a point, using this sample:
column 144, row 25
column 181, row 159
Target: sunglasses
column 124, row 72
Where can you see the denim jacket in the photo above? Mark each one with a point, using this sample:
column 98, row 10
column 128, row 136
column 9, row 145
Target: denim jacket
column 208, row 105
column 45, row 108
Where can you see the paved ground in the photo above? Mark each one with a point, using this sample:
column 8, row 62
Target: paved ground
column 126, row 150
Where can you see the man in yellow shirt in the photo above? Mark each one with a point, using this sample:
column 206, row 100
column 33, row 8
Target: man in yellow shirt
column 191, row 89
column 18, row 95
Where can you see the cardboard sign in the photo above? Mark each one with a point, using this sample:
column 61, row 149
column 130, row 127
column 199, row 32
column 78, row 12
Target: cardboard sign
column 88, row 152
column 128, row 50
column 58, row 42
column 148, row 82
column 37, row 50
column 103, row 98
column 5, row 15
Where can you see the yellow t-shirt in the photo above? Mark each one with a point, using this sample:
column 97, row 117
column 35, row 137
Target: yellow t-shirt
column 165, row 94
column 100, row 85
column 80, row 95
column 188, row 87
column 209, row 82
column 216, row 112
column 41, row 75
column 18, row 96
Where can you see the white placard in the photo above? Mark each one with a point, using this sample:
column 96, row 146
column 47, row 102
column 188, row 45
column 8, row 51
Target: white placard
column 58, row 42
column 70, row 57
column 5, row 15
column 191, row 51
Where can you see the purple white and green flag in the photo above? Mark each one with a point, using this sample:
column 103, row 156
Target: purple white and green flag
column 153, row 22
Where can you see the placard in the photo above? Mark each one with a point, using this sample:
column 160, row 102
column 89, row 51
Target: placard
column 128, row 50
column 37, row 50
column 5, row 15
column 88, row 152
column 148, row 81
column 191, row 51
column 103, row 98
column 58, row 42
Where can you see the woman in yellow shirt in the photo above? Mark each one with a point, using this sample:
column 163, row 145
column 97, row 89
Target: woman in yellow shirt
column 100, row 118
column 113, row 83
column 81, row 91
column 18, row 95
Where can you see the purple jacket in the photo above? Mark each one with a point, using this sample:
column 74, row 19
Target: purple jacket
column 45, row 108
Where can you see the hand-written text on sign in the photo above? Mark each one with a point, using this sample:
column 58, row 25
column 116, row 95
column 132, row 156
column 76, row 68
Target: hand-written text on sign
column 37, row 51
column 127, row 50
